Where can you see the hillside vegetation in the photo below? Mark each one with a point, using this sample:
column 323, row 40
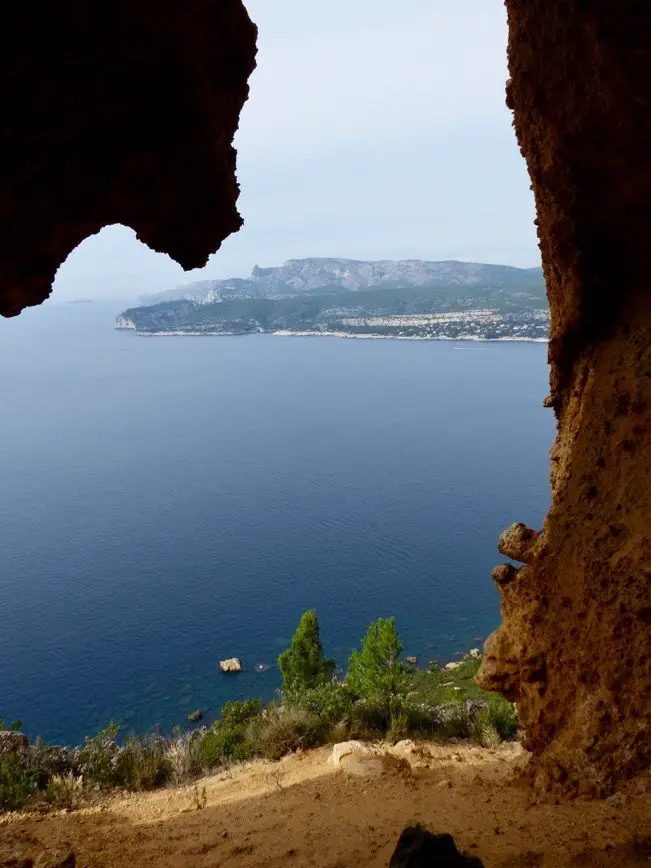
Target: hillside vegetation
column 382, row 697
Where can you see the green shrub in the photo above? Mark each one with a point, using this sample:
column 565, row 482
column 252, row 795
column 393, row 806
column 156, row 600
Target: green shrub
column 282, row 729
column 368, row 719
column 331, row 702
column 142, row 763
column 185, row 757
column 227, row 740
column 97, row 757
column 65, row 791
column 19, row 782
column 139, row 764
column 240, row 712
column 375, row 672
column 503, row 716
column 466, row 670
column 303, row 665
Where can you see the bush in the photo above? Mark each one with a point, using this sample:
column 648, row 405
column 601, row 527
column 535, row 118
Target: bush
column 65, row 791
column 455, row 719
column 282, row 729
column 228, row 740
column 466, row 670
column 142, row 763
column 303, row 665
column 331, row 702
column 503, row 716
column 19, row 782
column 97, row 758
column 368, row 719
column 185, row 758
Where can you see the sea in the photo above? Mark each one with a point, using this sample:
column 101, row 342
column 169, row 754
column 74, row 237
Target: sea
column 167, row 502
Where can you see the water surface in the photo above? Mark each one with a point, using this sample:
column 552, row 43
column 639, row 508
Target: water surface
column 167, row 502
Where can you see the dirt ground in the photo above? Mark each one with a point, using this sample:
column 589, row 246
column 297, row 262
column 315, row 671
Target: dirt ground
column 303, row 811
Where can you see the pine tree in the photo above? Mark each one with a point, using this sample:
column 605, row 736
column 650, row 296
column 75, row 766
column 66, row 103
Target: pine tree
column 375, row 672
column 303, row 665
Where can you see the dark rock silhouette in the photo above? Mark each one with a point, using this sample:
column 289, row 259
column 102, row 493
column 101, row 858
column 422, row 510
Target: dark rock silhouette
column 418, row 848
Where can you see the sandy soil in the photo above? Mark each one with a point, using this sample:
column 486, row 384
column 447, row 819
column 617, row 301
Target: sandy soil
column 303, row 811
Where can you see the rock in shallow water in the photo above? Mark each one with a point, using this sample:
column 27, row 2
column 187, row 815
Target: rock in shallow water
column 232, row 664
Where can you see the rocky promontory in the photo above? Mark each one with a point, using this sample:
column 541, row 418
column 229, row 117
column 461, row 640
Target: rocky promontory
column 352, row 298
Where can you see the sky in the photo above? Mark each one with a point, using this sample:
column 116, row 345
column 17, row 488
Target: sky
column 374, row 130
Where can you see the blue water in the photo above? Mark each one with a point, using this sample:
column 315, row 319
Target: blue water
column 167, row 502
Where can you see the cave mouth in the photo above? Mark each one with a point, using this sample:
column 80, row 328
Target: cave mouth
column 574, row 645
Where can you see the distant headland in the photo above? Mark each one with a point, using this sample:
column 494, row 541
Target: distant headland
column 405, row 299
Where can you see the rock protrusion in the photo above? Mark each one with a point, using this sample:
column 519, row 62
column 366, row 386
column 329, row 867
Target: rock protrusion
column 518, row 542
column 504, row 574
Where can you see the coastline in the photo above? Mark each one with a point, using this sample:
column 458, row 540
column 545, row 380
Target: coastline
column 345, row 335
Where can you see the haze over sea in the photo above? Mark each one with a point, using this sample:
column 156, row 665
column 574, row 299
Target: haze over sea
column 169, row 502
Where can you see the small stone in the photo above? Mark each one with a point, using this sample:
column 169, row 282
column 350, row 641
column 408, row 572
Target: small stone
column 474, row 653
column 449, row 667
column 344, row 748
column 195, row 716
column 368, row 765
column 232, row 664
column 413, row 661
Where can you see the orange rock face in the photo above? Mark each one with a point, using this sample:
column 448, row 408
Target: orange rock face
column 574, row 648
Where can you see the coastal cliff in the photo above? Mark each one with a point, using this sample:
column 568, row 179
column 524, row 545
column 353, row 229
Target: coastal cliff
column 352, row 298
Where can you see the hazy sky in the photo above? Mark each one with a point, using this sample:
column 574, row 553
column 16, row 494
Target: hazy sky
column 374, row 130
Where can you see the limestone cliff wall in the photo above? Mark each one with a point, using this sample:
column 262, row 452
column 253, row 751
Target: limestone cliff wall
column 574, row 648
